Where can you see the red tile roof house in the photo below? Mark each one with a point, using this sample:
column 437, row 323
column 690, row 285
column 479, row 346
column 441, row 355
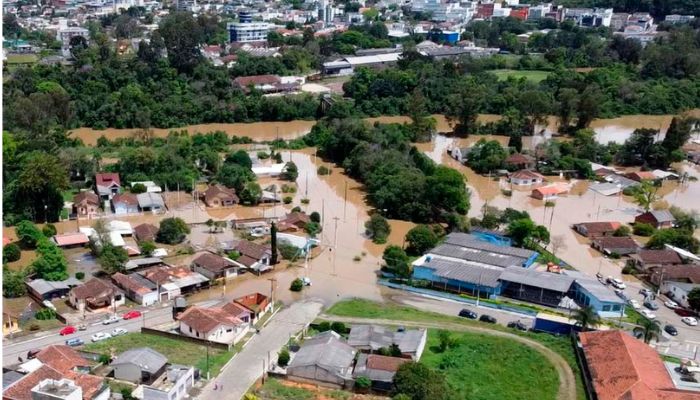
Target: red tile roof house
column 689, row 273
column 546, row 193
column 520, row 161
column 219, row 196
column 125, row 203
column 526, row 177
column 265, row 83
column 214, row 266
column 294, row 222
column 145, row 232
column 59, row 362
column 107, row 185
column 86, row 204
column 95, row 294
column 257, row 303
column 379, row 369
column 610, row 245
column 659, row 219
column 641, row 176
column 214, row 324
column 646, row 259
column 619, row 367
column 71, row 240
column 253, row 256
column 596, row 229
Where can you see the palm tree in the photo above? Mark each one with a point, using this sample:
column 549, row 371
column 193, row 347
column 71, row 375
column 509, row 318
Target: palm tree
column 650, row 328
column 586, row 317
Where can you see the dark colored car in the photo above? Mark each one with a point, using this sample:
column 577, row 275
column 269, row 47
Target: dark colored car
column 466, row 313
column 74, row 342
column 683, row 312
column 487, row 318
column 517, row 325
column 32, row 353
column 671, row 330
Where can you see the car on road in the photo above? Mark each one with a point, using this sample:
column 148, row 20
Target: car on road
column 132, row 314
column 651, row 305
column 683, row 312
column 648, row 314
column 671, row 304
column 635, row 304
column 67, row 330
column 517, row 325
column 621, row 294
column 618, row 284
column 119, row 332
column 671, row 330
column 100, row 336
column 487, row 318
column 467, row 313
column 110, row 320
column 74, row 342
column 645, row 292
column 691, row 321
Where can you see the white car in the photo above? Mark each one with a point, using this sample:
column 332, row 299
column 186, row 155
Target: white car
column 671, row 304
column 119, row 332
column 635, row 304
column 110, row 320
column 648, row 314
column 100, row 336
column 618, row 284
column 689, row 321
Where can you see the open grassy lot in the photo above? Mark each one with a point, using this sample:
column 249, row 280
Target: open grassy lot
column 484, row 367
column 177, row 351
column 274, row 389
column 368, row 309
column 534, row 76
column 21, row 58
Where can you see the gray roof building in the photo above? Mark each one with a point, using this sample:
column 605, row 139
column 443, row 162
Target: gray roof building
column 150, row 201
column 139, row 365
column 48, row 289
column 477, row 255
column 472, row 242
column 538, row 279
column 323, row 359
column 373, row 337
column 465, row 271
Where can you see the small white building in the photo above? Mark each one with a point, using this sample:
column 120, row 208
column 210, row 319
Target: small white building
column 172, row 385
column 268, row 170
column 679, row 291
column 525, row 177
column 213, row 324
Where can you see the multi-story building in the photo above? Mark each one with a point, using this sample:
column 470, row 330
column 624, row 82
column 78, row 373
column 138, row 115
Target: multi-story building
column 589, row 17
column 325, row 12
column 442, row 11
column 65, row 33
column 246, row 30
column 679, row 19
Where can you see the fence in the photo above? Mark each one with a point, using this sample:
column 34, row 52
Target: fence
column 449, row 296
column 175, row 336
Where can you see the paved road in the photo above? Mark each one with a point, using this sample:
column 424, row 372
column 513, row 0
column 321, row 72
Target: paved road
column 567, row 381
column 247, row 366
column 14, row 348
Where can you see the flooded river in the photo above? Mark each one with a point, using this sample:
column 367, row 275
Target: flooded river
column 615, row 129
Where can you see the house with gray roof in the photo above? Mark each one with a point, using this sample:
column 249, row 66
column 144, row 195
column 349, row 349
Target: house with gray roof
column 140, row 365
column 659, row 219
column 151, row 202
column 41, row 289
column 371, row 338
column 379, row 369
column 535, row 286
column 324, row 360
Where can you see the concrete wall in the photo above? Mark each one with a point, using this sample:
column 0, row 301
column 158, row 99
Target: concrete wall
column 315, row 375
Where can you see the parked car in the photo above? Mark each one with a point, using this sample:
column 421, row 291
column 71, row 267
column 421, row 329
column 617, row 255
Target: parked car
column 100, row 336
column 110, row 320
column 691, row 321
column 645, row 292
column 132, row 314
column 648, row 314
column 467, row 313
column 671, row 330
column 635, row 304
column 618, row 284
column 683, row 312
column 651, row 305
column 517, row 325
column 74, row 342
column 671, row 304
column 82, row 327
column 119, row 332
column 487, row 318
column 621, row 294
column 67, row 330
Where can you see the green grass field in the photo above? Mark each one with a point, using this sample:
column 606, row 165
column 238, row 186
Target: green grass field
column 177, row 351
column 21, row 58
column 370, row 309
column 533, row 76
column 483, row 367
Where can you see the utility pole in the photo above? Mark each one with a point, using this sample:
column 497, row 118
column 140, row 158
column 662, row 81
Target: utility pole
column 345, row 205
column 272, row 292
column 306, row 194
column 335, row 244
column 323, row 212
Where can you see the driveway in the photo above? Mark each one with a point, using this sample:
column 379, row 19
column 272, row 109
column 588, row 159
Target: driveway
column 247, row 366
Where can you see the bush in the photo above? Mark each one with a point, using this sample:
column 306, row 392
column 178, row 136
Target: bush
column 363, row 382
column 623, row 230
column 28, row 234
column 45, row 314
column 288, row 251
column 315, row 217
column 357, row 258
column 49, row 230
column 305, row 201
column 378, row 228
column 296, row 209
column 80, row 276
column 233, row 255
column 323, row 170
column 263, row 155
column 296, row 285
column 287, row 199
column 288, row 188
column 172, row 231
column 11, row 253
column 614, row 256
column 147, row 248
column 642, row 229
column 138, row 188
column 324, row 326
column 420, row 239
column 339, row 327
column 34, row 327
column 283, row 358
column 104, row 359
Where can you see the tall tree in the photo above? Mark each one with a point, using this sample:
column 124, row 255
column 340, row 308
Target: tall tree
column 273, row 243
column 650, row 329
column 182, row 36
column 422, row 124
column 39, row 184
column 645, row 195
column 464, row 108
column 566, row 106
column 535, row 105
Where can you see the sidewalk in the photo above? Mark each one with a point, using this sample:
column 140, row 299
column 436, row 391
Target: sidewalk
column 247, row 366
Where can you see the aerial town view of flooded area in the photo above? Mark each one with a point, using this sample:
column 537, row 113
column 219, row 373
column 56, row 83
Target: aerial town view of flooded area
column 329, row 199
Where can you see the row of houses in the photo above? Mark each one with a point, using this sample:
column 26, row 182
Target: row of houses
column 465, row 263
column 329, row 360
